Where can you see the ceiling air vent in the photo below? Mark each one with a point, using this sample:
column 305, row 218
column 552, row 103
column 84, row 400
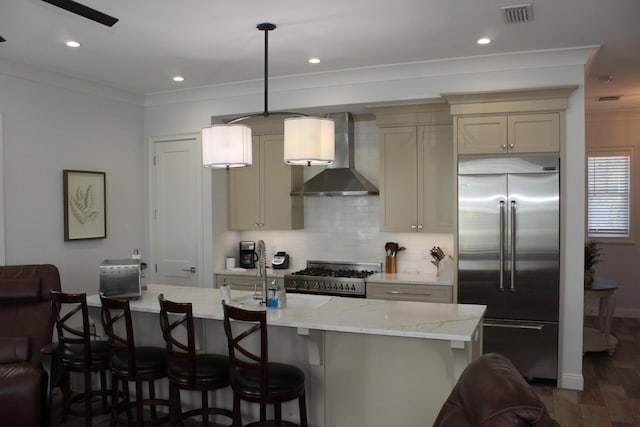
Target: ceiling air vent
column 608, row 98
column 518, row 14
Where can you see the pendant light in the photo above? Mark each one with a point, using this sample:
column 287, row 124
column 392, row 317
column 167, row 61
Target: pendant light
column 307, row 140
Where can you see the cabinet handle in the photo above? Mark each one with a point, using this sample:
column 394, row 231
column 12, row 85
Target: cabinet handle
column 504, row 146
column 511, row 145
column 420, row 227
column 418, row 294
column 190, row 270
column 413, row 226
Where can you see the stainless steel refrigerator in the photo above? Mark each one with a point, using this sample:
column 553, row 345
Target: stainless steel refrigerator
column 508, row 255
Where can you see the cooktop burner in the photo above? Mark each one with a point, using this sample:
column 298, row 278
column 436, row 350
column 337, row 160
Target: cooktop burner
column 327, row 272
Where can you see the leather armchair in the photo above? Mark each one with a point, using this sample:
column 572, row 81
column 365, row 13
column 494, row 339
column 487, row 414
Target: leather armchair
column 26, row 350
column 492, row 393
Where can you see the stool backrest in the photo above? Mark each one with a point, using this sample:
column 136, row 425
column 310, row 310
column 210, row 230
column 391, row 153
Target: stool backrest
column 176, row 318
column 240, row 340
column 72, row 323
column 117, row 323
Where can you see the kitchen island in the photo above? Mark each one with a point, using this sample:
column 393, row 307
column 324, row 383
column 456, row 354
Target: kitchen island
column 367, row 362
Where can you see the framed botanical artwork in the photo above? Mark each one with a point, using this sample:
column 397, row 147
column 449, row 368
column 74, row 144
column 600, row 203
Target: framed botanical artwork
column 85, row 205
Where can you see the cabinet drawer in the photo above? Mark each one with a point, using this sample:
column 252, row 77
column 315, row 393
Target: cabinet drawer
column 245, row 283
column 409, row 292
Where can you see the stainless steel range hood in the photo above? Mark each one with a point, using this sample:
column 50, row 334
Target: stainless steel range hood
column 340, row 178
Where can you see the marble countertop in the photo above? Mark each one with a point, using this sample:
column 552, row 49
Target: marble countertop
column 457, row 322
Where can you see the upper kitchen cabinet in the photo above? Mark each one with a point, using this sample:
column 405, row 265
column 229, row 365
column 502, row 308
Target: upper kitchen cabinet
column 517, row 133
column 416, row 168
column 518, row 121
column 258, row 195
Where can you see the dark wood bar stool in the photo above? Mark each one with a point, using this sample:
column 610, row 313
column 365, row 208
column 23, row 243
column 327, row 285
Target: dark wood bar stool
column 188, row 370
column 253, row 377
column 132, row 364
column 78, row 353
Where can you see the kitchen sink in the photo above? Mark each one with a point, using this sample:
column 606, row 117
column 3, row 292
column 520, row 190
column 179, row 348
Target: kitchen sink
column 293, row 301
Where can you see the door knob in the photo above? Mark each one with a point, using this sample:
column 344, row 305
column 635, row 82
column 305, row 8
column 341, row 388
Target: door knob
column 190, row 270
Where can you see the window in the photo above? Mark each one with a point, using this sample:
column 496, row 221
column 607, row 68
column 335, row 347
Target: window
column 608, row 194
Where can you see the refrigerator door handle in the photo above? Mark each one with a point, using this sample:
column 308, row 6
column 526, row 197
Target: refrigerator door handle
column 501, row 287
column 512, row 248
column 536, row 326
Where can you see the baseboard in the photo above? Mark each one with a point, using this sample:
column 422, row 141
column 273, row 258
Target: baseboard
column 571, row 382
column 632, row 313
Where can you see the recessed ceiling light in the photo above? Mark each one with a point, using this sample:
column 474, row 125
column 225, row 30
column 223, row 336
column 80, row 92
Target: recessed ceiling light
column 178, row 78
column 314, row 61
column 484, row 40
column 72, row 43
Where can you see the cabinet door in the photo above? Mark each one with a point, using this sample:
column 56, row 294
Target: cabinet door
column 398, row 179
column 243, row 198
column 482, row 134
column 534, row 133
column 409, row 292
column 279, row 210
column 435, row 179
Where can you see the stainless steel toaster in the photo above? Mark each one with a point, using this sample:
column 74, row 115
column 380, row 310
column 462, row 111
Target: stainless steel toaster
column 122, row 278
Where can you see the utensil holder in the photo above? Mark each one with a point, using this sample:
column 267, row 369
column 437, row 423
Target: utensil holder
column 391, row 264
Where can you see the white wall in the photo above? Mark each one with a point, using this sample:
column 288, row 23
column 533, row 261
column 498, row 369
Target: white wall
column 172, row 113
column 620, row 260
column 48, row 128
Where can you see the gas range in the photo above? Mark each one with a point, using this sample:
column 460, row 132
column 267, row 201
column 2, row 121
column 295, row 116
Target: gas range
column 332, row 278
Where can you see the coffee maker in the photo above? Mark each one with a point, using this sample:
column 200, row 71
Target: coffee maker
column 248, row 256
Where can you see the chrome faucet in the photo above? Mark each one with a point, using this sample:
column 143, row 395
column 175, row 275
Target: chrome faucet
column 262, row 271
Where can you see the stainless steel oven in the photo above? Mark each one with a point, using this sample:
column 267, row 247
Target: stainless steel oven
column 347, row 279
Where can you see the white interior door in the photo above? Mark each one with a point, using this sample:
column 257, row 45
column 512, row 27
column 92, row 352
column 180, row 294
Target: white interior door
column 177, row 203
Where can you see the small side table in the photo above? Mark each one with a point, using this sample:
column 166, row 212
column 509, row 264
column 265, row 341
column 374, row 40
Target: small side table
column 601, row 339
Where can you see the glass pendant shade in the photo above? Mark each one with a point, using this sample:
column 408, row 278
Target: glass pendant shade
column 309, row 141
column 226, row 146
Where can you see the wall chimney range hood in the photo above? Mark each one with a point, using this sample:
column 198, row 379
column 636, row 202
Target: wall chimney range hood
column 340, row 178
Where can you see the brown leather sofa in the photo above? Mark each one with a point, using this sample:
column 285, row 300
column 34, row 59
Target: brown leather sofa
column 492, row 393
column 26, row 352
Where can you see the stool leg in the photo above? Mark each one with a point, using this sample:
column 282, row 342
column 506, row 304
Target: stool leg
column 103, row 388
column 205, row 408
column 237, row 417
column 277, row 411
column 139, row 403
column 114, row 401
column 87, row 398
column 66, row 393
column 302, row 401
column 152, row 397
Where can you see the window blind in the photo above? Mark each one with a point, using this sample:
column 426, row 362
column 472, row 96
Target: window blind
column 608, row 188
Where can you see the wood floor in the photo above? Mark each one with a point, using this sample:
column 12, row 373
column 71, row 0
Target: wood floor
column 611, row 395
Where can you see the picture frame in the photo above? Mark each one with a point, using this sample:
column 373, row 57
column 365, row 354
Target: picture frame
column 85, row 205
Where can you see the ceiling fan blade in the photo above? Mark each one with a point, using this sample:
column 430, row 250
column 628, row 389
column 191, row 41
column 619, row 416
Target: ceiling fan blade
column 84, row 11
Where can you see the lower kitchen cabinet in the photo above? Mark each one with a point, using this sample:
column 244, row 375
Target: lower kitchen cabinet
column 410, row 292
column 246, row 283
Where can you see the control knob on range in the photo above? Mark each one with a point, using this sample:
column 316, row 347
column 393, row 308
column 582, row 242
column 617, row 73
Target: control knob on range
column 306, row 285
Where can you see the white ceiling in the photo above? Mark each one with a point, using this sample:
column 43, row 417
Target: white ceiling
column 211, row 41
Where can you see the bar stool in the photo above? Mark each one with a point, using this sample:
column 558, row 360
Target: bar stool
column 253, row 377
column 188, row 370
column 78, row 353
column 132, row 364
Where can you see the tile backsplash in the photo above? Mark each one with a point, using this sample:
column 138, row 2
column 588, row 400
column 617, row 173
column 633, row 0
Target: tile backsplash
column 347, row 228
